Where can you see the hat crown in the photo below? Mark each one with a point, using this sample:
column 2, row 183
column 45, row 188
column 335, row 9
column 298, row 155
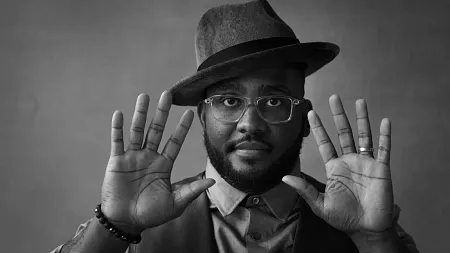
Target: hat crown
column 226, row 26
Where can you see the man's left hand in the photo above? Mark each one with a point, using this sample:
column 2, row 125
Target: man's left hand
column 358, row 197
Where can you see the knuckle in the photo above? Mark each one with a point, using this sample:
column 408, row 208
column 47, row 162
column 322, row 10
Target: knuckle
column 176, row 141
column 137, row 129
column 170, row 158
column 344, row 131
column 339, row 113
column 152, row 146
column 323, row 142
column 383, row 148
column 347, row 147
column 184, row 126
column 156, row 127
column 330, row 158
column 142, row 110
column 364, row 135
column 163, row 111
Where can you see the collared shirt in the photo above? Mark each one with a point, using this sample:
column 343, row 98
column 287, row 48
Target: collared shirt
column 256, row 223
column 263, row 223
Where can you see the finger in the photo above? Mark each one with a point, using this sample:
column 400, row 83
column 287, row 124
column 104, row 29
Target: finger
column 156, row 128
column 138, row 122
column 326, row 147
column 173, row 145
column 309, row 193
column 364, row 131
column 187, row 193
column 384, row 149
column 117, row 134
column 343, row 127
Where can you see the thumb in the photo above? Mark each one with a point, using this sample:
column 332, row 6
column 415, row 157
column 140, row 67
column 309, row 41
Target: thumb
column 308, row 192
column 185, row 194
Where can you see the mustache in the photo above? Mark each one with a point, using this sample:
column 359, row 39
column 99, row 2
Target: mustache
column 230, row 146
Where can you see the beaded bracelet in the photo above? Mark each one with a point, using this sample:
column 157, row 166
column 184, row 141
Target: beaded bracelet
column 108, row 225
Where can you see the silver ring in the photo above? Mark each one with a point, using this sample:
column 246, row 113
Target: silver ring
column 365, row 150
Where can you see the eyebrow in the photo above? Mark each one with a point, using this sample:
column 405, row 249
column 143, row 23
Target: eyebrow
column 232, row 86
column 280, row 88
column 227, row 86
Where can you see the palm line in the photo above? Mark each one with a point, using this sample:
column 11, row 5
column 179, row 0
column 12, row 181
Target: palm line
column 363, row 175
column 150, row 184
column 153, row 172
column 128, row 171
column 339, row 181
column 349, row 178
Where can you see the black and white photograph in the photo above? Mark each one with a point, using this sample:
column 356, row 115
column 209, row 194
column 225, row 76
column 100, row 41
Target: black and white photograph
column 225, row 126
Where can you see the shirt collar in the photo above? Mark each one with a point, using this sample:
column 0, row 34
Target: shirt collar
column 222, row 195
column 281, row 199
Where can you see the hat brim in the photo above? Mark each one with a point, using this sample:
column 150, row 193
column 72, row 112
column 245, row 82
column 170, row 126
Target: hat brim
column 190, row 90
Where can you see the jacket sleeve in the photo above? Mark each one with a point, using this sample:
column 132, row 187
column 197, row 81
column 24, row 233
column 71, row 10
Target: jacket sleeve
column 406, row 238
column 80, row 228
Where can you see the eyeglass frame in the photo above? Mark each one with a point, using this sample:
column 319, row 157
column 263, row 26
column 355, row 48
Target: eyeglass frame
column 254, row 101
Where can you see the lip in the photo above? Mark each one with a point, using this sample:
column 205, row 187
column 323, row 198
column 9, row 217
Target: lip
column 251, row 153
column 252, row 146
column 252, row 150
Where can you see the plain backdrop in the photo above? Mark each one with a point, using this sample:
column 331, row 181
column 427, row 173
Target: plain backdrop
column 66, row 65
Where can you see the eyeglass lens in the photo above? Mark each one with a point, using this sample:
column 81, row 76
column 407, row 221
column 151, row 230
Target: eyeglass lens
column 272, row 109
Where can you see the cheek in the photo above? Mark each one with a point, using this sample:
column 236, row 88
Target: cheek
column 219, row 134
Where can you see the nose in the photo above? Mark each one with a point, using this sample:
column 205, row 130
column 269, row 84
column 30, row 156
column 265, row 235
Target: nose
column 251, row 123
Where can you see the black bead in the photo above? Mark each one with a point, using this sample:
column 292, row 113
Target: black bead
column 102, row 220
column 117, row 233
column 137, row 240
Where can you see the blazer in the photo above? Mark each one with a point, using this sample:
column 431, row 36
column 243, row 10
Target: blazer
column 193, row 231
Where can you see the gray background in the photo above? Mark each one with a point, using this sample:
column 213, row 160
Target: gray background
column 65, row 66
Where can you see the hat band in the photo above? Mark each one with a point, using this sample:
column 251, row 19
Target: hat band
column 246, row 48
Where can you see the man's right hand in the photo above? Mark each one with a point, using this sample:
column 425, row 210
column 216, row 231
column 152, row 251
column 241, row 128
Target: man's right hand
column 137, row 193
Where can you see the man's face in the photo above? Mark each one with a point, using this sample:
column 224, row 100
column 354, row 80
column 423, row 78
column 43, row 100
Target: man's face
column 253, row 155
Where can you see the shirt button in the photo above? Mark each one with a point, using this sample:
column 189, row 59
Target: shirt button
column 255, row 236
column 255, row 200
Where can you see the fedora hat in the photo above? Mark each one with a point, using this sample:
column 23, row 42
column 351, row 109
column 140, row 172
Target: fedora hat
column 233, row 39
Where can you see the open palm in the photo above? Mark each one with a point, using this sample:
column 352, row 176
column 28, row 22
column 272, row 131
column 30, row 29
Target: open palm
column 358, row 194
column 137, row 192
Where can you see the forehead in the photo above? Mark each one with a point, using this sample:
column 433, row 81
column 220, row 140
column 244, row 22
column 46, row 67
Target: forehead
column 288, row 80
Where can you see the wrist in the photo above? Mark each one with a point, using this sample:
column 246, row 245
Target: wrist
column 126, row 228
column 131, row 236
column 371, row 242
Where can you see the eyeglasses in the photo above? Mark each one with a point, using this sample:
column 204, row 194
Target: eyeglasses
column 273, row 109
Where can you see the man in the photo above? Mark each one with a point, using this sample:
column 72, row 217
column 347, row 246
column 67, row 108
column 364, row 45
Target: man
column 252, row 197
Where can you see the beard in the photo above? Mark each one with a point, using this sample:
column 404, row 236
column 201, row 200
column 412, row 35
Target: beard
column 257, row 183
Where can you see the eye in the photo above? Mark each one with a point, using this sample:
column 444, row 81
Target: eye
column 273, row 102
column 230, row 101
